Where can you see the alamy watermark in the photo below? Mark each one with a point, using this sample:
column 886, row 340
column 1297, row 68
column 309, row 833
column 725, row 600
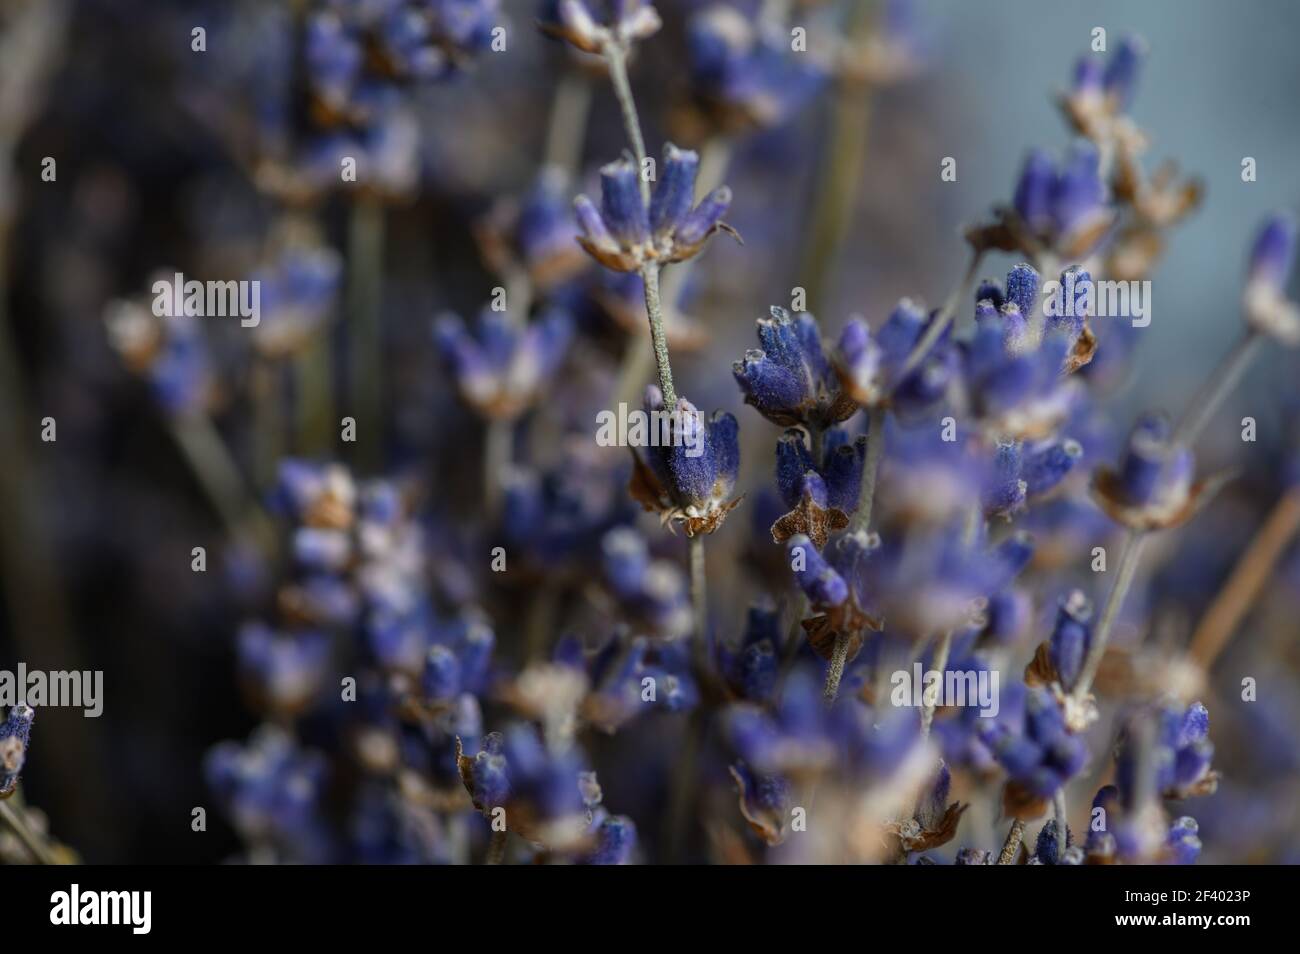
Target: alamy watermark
column 214, row 299
column 638, row 428
column 38, row 688
column 921, row 687
column 1099, row 299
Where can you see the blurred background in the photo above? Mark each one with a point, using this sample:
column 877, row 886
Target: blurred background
column 162, row 165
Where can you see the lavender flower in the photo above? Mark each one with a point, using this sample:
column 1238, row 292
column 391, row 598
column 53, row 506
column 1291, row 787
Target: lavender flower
column 592, row 25
column 1265, row 302
column 15, row 736
column 625, row 235
column 1153, row 486
column 789, row 380
column 690, row 480
column 820, row 496
column 743, row 74
column 501, row 368
column 1032, row 743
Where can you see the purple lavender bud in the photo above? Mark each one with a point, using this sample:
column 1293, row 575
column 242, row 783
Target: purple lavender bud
column 990, row 289
column 488, row 782
column 1070, row 306
column 1273, row 253
column 1008, row 615
column 696, row 226
column 1045, row 848
column 1144, row 460
column 1195, row 726
column 544, row 229
column 1033, row 196
column 1046, row 465
column 813, row 488
column 15, row 736
column 333, row 57
column 986, row 313
column 693, row 475
column 615, row 842
column 625, row 559
column 475, row 654
column 317, row 548
column 593, row 226
column 1008, row 559
column 724, row 444
column 1184, row 841
column 901, row 332
column 1022, row 289
column 792, row 461
column 821, row 584
column 440, row 680
column 675, row 193
column 620, row 203
column 1122, row 71
column 775, row 390
column 1071, row 638
column 1078, row 195
column 843, row 473
column 543, row 346
column 1088, row 77
column 743, row 73
column 1191, row 764
column 283, row 671
column 1004, row 491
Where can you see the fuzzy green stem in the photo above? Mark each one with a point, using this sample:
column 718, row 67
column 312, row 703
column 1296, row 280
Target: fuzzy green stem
column 654, row 311
column 566, row 130
column 841, row 172
column 930, row 699
column 31, row 841
column 714, row 157
column 365, row 339
column 870, row 469
column 1011, row 847
column 943, row 319
column 699, row 594
column 835, row 672
column 616, row 60
column 861, row 522
column 1129, row 557
column 496, row 853
column 1217, row 388
column 1058, row 807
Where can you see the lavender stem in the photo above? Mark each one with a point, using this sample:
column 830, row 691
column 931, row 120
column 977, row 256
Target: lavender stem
column 1134, row 541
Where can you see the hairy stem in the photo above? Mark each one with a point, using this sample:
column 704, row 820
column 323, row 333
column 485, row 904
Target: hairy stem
column 654, row 311
column 1129, row 557
column 1011, row 847
column 870, row 469
column 930, row 699
column 861, row 521
column 1058, row 807
column 31, row 841
column 835, row 672
column 699, row 595
column 943, row 318
column 840, row 173
column 616, row 60
column 1217, row 388
column 219, row 477
column 1247, row 579
column 365, row 340
column 715, row 155
column 496, row 853
column 568, row 124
